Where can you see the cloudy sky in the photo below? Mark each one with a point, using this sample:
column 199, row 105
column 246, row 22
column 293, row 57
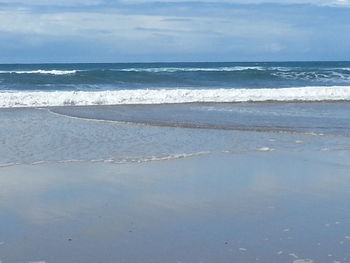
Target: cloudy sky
column 173, row 30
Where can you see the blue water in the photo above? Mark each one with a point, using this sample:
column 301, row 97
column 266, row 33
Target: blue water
column 88, row 171
column 109, row 177
column 324, row 121
column 90, row 77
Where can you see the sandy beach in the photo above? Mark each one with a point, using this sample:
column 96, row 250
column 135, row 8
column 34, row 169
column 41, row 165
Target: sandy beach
column 174, row 131
column 226, row 208
column 247, row 197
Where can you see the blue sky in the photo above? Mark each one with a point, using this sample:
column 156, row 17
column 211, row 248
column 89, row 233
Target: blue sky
column 173, row 30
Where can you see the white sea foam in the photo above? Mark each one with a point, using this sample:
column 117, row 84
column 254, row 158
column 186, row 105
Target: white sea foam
column 124, row 160
column 160, row 158
column 10, row 99
column 326, row 76
column 303, row 261
column 175, row 69
column 282, row 68
column 40, row 71
column 265, row 149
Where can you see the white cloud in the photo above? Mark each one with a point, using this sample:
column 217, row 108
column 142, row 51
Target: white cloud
column 342, row 2
column 101, row 2
column 183, row 31
column 125, row 32
column 315, row 2
column 53, row 3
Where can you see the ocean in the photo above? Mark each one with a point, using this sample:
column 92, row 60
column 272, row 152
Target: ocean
column 31, row 85
column 145, row 112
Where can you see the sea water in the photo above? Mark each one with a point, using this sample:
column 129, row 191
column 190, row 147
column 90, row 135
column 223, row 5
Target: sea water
column 149, row 83
column 141, row 133
column 159, row 111
column 135, row 177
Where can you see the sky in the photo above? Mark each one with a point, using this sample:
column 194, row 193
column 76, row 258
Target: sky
column 39, row 31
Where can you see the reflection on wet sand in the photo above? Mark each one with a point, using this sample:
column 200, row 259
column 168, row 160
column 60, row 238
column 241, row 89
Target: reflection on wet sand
column 210, row 208
column 317, row 119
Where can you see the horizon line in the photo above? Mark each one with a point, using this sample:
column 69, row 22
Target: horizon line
column 173, row 62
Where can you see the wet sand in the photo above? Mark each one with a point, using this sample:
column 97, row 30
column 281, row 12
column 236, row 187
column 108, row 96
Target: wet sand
column 254, row 207
column 77, row 185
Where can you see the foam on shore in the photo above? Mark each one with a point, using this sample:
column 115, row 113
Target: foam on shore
column 40, row 71
column 9, row 99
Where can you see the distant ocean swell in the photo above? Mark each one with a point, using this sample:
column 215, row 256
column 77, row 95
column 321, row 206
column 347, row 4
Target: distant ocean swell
column 297, row 70
column 86, row 77
column 40, row 71
column 150, row 70
column 9, row 99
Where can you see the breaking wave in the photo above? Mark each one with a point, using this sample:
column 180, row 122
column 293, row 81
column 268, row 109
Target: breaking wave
column 149, row 70
column 40, row 71
column 186, row 69
column 322, row 76
column 10, row 99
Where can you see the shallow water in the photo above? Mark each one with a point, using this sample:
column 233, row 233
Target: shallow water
column 161, row 132
column 257, row 207
column 303, row 118
column 176, row 183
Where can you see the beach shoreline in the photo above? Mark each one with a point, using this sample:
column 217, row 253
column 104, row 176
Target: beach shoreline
column 266, row 207
column 80, row 190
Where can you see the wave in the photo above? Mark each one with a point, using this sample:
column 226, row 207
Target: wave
column 184, row 69
column 324, row 76
column 10, row 99
column 340, row 75
column 149, row 70
column 124, row 160
column 40, row 71
column 159, row 158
